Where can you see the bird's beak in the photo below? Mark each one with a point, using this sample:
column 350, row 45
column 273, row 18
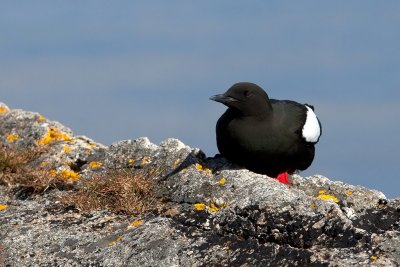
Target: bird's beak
column 222, row 98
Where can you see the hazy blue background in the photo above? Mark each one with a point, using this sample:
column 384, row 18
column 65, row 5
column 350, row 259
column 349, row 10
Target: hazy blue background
column 116, row 70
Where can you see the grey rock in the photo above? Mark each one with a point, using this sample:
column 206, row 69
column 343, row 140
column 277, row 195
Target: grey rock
column 220, row 214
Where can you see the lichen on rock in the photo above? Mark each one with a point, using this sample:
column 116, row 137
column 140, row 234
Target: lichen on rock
column 204, row 211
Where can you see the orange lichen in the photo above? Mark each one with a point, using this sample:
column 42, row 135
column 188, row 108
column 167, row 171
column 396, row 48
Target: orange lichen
column 202, row 168
column 135, row 224
column 95, row 164
column 66, row 175
column 146, row 160
column 212, row 207
column 200, row 206
column 3, row 207
column 349, row 193
column 70, row 176
column 12, row 137
column 222, row 181
column 54, row 134
column 3, row 109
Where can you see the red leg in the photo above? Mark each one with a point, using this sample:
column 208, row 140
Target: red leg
column 283, row 178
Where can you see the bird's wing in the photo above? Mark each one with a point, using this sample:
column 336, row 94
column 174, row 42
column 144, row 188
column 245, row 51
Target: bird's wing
column 289, row 116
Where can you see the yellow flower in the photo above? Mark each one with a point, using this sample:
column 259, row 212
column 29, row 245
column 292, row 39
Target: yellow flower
column 3, row 207
column 95, row 164
column 12, row 137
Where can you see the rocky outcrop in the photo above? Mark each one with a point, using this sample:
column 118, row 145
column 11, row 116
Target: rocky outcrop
column 212, row 213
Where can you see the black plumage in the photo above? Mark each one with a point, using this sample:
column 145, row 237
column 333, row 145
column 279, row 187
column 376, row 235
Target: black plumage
column 265, row 135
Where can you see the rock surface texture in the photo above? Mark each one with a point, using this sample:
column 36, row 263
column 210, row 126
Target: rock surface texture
column 214, row 213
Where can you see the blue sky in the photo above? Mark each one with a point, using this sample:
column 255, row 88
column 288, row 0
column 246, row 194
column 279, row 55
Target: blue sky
column 114, row 70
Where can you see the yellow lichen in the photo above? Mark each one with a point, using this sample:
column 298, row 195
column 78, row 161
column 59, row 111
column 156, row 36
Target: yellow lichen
column 12, row 137
column 44, row 163
column 41, row 118
column 312, row 206
column 213, row 208
column 202, row 168
column 328, row 197
column 135, row 224
column 349, row 193
column 88, row 151
column 199, row 206
column 374, row 257
column 222, row 181
column 95, row 164
column 3, row 207
column 320, row 192
column 112, row 243
column 67, row 149
column 54, row 134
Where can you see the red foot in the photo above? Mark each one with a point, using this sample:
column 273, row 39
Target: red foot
column 283, row 178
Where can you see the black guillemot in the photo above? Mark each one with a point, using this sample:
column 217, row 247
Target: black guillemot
column 267, row 136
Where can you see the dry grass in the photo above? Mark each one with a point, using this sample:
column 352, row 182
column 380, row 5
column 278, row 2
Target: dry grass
column 15, row 170
column 121, row 191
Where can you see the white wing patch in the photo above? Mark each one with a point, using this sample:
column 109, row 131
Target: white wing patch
column 311, row 129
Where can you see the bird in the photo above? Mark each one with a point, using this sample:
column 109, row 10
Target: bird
column 266, row 136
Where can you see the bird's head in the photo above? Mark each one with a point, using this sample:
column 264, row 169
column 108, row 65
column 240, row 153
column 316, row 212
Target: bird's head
column 246, row 98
